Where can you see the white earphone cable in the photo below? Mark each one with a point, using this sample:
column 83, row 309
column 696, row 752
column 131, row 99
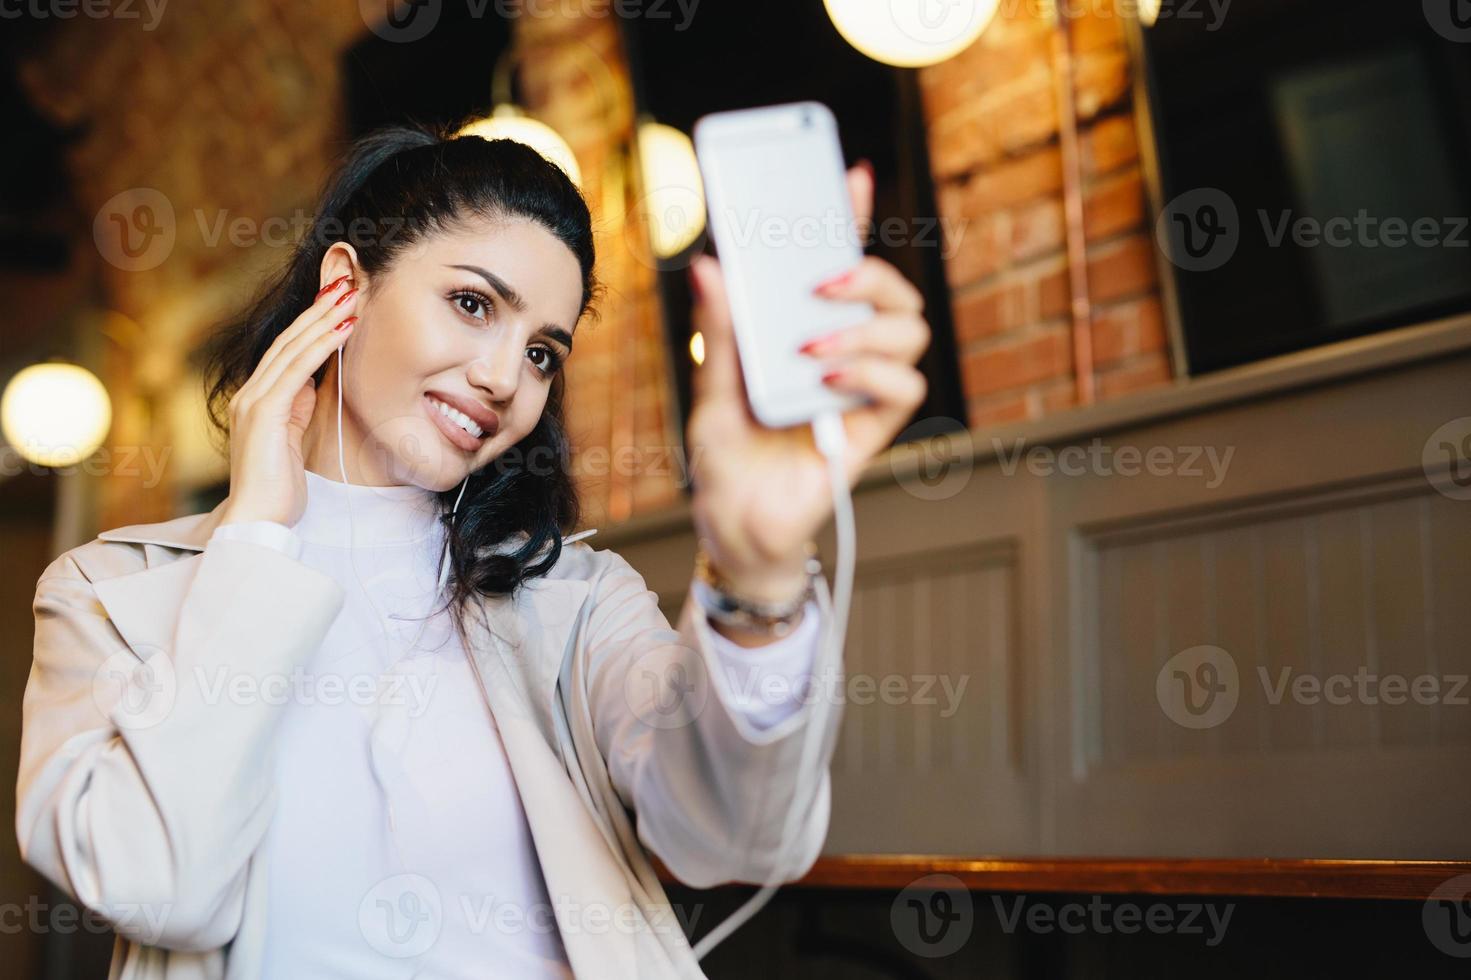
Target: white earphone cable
column 832, row 441
column 444, row 562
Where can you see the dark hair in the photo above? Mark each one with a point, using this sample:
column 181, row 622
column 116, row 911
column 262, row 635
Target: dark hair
column 392, row 188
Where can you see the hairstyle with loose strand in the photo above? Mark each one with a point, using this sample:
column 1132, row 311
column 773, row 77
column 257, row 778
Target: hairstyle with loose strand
column 392, row 188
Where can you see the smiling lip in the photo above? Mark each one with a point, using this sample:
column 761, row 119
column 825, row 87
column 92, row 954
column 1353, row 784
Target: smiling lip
column 479, row 414
column 482, row 416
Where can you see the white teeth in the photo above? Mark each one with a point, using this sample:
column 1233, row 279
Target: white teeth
column 459, row 418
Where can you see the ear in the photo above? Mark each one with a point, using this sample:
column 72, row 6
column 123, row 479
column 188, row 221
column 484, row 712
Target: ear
column 341, row 260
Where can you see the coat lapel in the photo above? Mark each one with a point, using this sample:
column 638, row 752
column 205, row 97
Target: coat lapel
column 518, row 645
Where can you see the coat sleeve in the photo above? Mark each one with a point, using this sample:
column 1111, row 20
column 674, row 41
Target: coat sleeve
column 709, row 784
column 146, row 784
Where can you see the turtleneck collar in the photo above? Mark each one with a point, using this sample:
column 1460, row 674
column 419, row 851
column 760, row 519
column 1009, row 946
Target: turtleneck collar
column 371, row 515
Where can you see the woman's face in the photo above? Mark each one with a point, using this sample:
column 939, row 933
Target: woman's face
column 454, row 353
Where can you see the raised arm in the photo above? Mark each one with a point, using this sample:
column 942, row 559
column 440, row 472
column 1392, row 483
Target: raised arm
column 709, row 773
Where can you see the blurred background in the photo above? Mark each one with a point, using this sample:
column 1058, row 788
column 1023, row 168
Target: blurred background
column 1160, row 601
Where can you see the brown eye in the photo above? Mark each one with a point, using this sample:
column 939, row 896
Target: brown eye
column 550, row 360
column 472, row 304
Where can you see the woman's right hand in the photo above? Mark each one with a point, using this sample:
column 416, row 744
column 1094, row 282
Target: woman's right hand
column 270, row 412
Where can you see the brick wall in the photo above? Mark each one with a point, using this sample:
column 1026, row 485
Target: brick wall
column 993, row 125
column 235, row 108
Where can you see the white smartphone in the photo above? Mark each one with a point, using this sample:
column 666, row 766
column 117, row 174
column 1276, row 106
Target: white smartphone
column 779, row 213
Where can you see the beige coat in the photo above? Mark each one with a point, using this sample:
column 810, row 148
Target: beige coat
column 150, row 810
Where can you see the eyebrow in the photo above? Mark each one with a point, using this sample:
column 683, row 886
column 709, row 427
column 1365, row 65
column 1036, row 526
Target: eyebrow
column 517, row 301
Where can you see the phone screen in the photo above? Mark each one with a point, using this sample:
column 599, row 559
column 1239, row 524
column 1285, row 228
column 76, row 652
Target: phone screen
column 782, row 222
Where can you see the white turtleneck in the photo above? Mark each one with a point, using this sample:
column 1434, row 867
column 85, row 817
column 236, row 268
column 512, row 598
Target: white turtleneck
column 399, row 847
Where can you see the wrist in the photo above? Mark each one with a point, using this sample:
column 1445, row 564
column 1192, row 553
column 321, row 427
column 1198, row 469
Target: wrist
column 773, row 581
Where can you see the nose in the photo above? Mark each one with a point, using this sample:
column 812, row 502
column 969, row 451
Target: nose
column 498, row 369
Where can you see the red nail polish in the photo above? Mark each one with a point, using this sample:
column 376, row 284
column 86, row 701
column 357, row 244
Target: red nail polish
column 831, row 376
column 867, row 164
column 835, row 282
column 330, row 286
column 346, row 296
column 346, row 323
column 816, row 344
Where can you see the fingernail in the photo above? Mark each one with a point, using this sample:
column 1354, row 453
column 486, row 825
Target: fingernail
column 331, row 286
column 819, row 345
column 866, row 164
column 346, row 323
column 831, row 376
column 834, row 283
column 346, row 296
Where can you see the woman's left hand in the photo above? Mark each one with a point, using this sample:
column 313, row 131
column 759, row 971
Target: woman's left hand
column 761, row 494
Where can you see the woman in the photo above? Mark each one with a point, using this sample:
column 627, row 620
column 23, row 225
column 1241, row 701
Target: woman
column 257, row 740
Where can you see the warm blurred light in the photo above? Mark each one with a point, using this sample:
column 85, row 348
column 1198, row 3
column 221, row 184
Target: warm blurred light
column 508, row 122
column 911, row 33
column 55, row 414
column 674, row 199
column 697, row 347
column 1148, row 12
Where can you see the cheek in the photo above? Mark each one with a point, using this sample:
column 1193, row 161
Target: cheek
column 409, row 448
column 527, row 411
